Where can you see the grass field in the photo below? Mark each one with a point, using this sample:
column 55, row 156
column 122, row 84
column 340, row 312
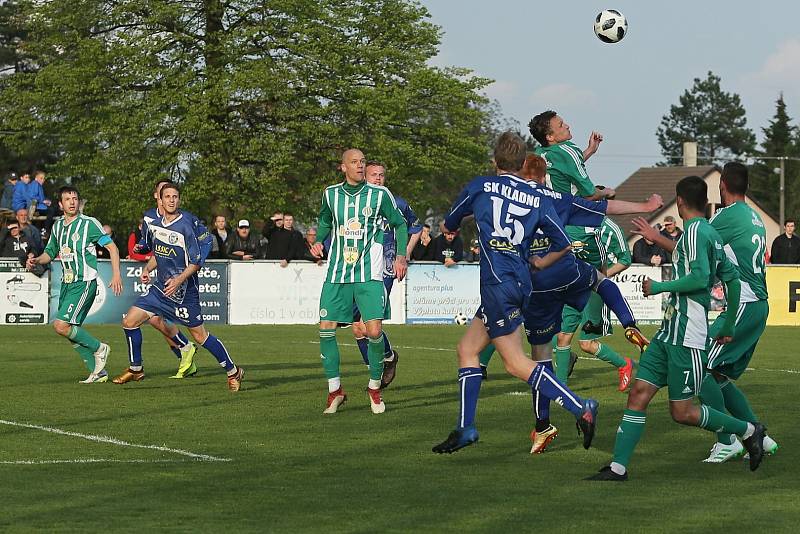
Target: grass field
column 273, row 462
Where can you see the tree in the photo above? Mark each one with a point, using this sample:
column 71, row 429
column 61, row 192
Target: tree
column 246, row 103
column 711, row 117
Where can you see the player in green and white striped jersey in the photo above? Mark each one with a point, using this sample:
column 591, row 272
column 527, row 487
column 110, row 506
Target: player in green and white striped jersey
column 354, row 214
column 677, row 356
column 73, row 240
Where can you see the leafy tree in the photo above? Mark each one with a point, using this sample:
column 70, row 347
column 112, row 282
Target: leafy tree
column 711, row 117
column 780, row 140
column 247, row 103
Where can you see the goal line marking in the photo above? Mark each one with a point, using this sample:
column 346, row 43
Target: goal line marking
column 119, row 442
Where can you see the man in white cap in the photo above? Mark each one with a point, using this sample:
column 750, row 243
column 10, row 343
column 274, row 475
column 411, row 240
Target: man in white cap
column 244, row 246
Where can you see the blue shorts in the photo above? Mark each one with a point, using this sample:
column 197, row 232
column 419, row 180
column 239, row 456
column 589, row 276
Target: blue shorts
column 187, row 313
column 501, row 307
column 542, row 315
column 388, row 283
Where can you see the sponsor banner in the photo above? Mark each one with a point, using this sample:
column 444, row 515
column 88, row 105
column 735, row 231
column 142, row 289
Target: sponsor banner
column 783, row 286
column 263, row 292
column 108, row 308
column 24, row 295
column 436, row 294
column 646, row 310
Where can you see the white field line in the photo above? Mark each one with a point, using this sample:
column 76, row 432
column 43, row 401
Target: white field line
column 114, row 441
column 91, row 461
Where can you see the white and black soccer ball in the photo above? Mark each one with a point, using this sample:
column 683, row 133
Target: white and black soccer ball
column 610, row 26
column 460, row 318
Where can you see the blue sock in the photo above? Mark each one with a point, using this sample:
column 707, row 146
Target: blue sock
column 363, row 345
column 544, row 380
column 609, row 292
column 217, row 349
column 181, row 341
column 134, row 338
column 541, row 404
column 469, row 383
column 387, row 347
column 176, row 351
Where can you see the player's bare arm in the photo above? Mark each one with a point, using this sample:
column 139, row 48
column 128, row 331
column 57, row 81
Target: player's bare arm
column 148, row 268
column 623, row 207
column 543, row 262
column 172, row 285
column 643, row 228
column 595, row 138
column 42, row 259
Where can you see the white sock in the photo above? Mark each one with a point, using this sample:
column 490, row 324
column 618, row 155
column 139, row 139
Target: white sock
column 749, row 431
column 374, row 384
column 618, row 468
column 334, row 384
column 136, row 368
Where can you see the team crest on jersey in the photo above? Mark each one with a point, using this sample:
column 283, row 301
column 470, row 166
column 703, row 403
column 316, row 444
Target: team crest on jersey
column 350, row 255
column 76, row 237
column 367, row 211
column 323, row 313
column 172, row 239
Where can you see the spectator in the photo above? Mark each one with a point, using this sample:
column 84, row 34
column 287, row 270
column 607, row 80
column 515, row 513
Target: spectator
column 31, row 232
column 13, row 243
column 36, row 188
column 7, row 200
column 285, row 243
column 474, row 253
column 243, row 245
column 134, row 238
column 220, row 233
column 671, row 230
column 22, row 194
column 311, row 238
column 424, row 250
column 648, row 253
column 785, row 248
column 102, row 253
column 448, row 248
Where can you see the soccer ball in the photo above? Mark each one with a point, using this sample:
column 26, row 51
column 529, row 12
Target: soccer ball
column 610, row 26
column 460, row 318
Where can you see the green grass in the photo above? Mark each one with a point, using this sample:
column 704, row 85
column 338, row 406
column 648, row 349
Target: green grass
column 293, row 469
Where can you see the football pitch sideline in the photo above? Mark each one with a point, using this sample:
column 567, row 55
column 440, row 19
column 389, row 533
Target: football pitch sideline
column 189, row 455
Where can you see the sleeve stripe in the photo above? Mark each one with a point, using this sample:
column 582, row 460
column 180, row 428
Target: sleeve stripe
column 569, row 150
column 459, row 205
column 581, row 206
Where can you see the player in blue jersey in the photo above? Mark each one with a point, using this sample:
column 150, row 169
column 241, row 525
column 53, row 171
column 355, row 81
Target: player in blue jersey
column 174, row 294
column 183, row 349
column 508, row 211
column 376, row 175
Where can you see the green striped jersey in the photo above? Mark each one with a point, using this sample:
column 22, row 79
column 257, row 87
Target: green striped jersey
column 355, row 217
column 699, row 251
column 566, row 170
column 600, row 247
column 745, row 240
column 74, row 244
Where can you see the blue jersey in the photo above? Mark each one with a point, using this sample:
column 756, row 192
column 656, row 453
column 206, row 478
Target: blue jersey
column 389, row 240
column 175, row 246
column 508, row 211
column 204, row 237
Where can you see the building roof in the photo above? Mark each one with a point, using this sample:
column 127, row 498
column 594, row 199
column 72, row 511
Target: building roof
column 648, row 180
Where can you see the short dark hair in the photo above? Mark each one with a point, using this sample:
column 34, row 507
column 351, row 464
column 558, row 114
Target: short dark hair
column 734, row 174
column 374, row 163
column 169, row 185
column 288, row 214
column 694, row 192
column 510, row 152
column 787, row 221
column 540, row 126
column 68, row 189
column 161, row 181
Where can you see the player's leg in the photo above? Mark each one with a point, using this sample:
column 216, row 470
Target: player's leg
column 75, row 301
column 570, row 321
column 390, row 356
column 611, row 296
column 335, row 306
column 213, row 345
column 484, row 357
column 371, row 299
column 180, row 346
column 360, row 335
column 596, row 313
column 137, row 315
column 544, row 432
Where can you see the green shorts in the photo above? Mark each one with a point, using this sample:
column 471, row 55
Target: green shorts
column 732, row 359
column 75, row 301
column 336, row 301
column 679, row 368
column 595, row 311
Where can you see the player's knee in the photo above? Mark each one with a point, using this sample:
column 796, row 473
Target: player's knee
column 61, row 328
column 639, row 397
column 681, row 413
column 128, row 322
column 589, row 347
column 373, row 329
column 199, row 336
column 564, row 340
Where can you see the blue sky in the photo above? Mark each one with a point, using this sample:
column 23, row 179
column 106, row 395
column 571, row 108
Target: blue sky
column 545, row 55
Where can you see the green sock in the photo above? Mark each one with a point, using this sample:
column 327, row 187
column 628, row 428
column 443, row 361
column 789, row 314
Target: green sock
column 375, row 355
column 716, row 421
column 486, row 355
column 329, row 351
column 81, row 336
column 562, row 363
column 628, row 435
column 86, row 355
column 607, row 354
column 711, row 396
column 736, row 403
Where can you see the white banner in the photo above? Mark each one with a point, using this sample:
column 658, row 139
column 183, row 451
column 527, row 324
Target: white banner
column 646, row 310
column 437, row 293
column 266, row 293
column 25, row 295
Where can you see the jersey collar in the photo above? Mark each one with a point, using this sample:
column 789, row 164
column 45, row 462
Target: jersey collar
column 176, row 219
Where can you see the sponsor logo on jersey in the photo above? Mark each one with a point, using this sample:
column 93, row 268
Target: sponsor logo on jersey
column 497, row 244
column 164, row 251
column 350, row 255
column 513, row 315
column 352, row 230
column 687, row 389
